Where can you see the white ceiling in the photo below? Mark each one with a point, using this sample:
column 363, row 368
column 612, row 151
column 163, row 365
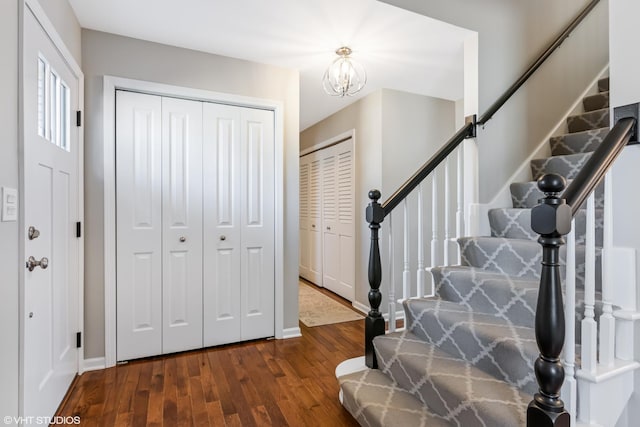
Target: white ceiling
column 399, row 49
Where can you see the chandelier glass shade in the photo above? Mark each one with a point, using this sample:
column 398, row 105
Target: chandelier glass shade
column 344, row 77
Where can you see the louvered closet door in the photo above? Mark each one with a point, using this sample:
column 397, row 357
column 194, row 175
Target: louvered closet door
column 303, row 265
column 315, row 219
column 139, row 219
column 338, row 220
column 182, row 225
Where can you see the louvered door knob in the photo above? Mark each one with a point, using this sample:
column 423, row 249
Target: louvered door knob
column 223, row 237
column 183, row 239
column 329, row 228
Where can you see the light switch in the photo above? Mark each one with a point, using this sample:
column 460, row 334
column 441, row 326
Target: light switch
column 9, row 204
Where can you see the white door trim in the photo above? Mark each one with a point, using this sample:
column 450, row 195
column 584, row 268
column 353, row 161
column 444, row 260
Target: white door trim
column 34, row 7
column 110, row 84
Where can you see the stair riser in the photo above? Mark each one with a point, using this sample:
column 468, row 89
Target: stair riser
column 527, row 195
column 576, row 143
column 519, row 258
column 566, row 166
column 596, row 102
column 591, row 120
column 516, row 224
column 492, row 345
column 437, row 379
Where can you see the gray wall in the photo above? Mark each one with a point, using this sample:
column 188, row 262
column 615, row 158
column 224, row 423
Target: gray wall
column 108, row 54
column 395, row 133
column 511, row 33
column 9, row 261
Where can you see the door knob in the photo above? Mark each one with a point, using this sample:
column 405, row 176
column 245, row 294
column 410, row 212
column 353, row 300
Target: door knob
column 329, row 228
column 33, row 233
column 32, row 263
column 313, row 226
column 183, row 239
column 223, row 237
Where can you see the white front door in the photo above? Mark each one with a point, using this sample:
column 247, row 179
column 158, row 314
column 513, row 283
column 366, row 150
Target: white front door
column 51, row 209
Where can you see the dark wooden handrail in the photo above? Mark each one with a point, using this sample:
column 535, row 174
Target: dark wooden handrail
column 536, row 64
column 598, row 164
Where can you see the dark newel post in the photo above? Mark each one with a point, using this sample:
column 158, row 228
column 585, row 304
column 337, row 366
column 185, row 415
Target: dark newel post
column 551, row 219
column 374, row 322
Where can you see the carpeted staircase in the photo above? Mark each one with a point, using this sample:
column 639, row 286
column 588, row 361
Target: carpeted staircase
column 466, row 355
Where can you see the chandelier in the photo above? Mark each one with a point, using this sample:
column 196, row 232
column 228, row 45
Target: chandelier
column 344, row 76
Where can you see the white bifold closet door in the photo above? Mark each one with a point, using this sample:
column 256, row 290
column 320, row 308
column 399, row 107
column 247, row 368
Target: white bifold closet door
column 182, row 225
column 239, row 224
column 159, row 218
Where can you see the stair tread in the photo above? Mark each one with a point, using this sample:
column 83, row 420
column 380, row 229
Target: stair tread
column 489, row 342
column 449, row 386
column 374, row 399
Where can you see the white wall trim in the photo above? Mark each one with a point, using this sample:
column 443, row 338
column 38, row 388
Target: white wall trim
column 94, row 364
column 33, row 6
column 338, row 138
column 110, row 84
column 291, row 333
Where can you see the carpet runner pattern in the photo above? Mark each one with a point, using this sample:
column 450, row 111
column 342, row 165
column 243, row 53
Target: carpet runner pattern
column 466, row 355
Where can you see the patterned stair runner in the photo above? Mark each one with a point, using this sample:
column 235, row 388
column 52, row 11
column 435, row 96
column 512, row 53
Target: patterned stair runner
column 466, row 355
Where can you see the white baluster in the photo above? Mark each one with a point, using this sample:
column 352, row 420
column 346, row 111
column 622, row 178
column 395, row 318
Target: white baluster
column 421, row 274
column 460, row 201
column 607, row 321
column 447, row 203
column 406, row 272
column 589, row 325
column 569, row 387
column 434, row 220
column 391, row 291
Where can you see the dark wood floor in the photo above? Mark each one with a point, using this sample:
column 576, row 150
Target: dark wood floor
column 267, row 382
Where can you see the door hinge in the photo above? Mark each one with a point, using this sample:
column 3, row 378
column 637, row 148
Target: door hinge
column 78, row 118
column 78, row 229
column 78, row 339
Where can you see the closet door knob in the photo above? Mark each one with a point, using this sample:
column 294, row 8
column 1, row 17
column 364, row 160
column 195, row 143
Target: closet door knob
column 223, row 237
column 313, row 226
column 329, row 228
column 183, row 239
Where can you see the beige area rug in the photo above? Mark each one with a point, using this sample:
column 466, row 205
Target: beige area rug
column 318, row 309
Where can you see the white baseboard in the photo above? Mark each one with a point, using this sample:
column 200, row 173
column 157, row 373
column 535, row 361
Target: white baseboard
column 94, row 364
column 291, row 333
